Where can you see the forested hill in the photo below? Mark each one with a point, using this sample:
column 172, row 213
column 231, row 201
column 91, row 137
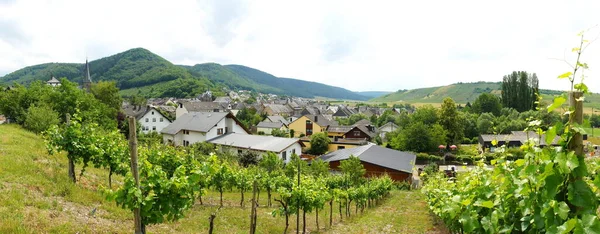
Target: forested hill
column 141, row 71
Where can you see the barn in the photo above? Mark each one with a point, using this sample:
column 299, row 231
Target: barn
column 377, row 161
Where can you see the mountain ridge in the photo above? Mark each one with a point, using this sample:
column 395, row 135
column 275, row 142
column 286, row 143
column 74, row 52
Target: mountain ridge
column 140, row 70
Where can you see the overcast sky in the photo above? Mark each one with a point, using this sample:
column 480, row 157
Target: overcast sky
column 358, row 45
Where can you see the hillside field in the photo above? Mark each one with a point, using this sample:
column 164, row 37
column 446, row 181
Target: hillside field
column 37, row 197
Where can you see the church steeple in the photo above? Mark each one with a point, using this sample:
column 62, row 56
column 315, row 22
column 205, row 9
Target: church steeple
column 87, row 79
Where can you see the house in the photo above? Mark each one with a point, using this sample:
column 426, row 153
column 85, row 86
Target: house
column 337, row 145
column 193, row 127
column 149, row 117
column 377, row 161
column 53, row 82
column 266, row 127
column 153, row 120
column 196, row 106
column 278, row 109
column 360, row 130
column 387, row 128
column 310, row 124
column 515, row 139
column 222, row 99
column 277, row 118
column 238, row 143
column 343, row 112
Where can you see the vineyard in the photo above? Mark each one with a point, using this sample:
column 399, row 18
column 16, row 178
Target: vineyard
column 172, row 180
column 551, row 190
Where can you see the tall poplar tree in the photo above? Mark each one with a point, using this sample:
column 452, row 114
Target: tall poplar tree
column 519, row 90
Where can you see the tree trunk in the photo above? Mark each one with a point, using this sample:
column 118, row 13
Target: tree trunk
column 269, row 197
column 72, row 171
column 110, row 172
column 356, row 208
column 287, row 222
column 211, row 220
column 143, row 228
column 303, row 221
column 200, row 196
column 221, row 192
column 340, row 207
column 330, row 213
column 242, row 200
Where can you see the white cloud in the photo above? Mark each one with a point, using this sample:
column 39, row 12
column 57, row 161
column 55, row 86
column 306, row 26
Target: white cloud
column 358, row 45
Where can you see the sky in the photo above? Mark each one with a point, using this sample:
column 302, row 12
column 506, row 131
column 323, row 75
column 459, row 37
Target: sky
column 358, row 45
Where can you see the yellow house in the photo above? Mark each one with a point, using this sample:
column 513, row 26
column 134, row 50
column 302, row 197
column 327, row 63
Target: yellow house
column 310, row 124
column 337, row 145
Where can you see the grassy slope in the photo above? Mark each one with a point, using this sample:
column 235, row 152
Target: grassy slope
column 461, row 93
column 35, row 197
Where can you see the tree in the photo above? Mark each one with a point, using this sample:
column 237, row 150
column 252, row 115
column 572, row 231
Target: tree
column 40, row 118
column 248, row 158
column 451, row 122
column 279, row 133
column 353, row 169
column 426, row 114
column 519, row 90
column 485, row 123
column 418, row 137
column 487, row 103
column 319, row 168
column 108, row 93
column 319, row 143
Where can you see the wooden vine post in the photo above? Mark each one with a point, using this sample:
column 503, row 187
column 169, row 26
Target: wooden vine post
column 253, row 211
column 134, row 171
column 71, row 163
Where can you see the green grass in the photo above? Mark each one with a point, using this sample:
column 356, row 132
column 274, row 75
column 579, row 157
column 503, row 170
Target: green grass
column 37, row 197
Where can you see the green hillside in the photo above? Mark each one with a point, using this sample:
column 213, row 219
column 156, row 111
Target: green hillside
column 372, row 94
column 468, row 92
column 460, row 92
column 139, row 71
column 36, row 196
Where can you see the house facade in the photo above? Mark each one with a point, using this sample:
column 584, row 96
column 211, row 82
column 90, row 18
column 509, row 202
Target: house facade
column 197, row 106
column 377, row 161
column 195, row 127
column 153, row 121
column 310, row 124
column 237, row 144
column 267, row 127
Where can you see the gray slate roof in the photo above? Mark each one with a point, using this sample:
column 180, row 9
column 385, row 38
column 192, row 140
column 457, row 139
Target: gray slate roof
column 374, row 154
column 195, row 121
column 53, row 81
column 519, row 136
column 265, row 124
column 256, row 142
column 277, row 118
column 202, row 106
column 279, row 108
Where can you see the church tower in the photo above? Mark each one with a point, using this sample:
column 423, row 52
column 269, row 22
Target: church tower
column 87, row 79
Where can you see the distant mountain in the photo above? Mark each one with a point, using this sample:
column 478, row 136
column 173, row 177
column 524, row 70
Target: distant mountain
column 372, row 94
column 141, row 71
column 294, row 87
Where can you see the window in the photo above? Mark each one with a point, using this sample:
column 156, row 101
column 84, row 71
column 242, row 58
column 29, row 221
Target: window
column 219, row 131
column 153, row 128
column 239, row 152
column 308, row 122
column 161, row 119
column 186, row 132
column 146, row 120
column 356, row 133
column 153, row 119
column 308, row 132
column 284, row 155
column 186, row 143
column 226, row 130
column 293, row 151
column 152, row 112
column 341, row 147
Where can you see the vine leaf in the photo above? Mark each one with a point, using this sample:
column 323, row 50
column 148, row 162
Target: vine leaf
column 558, row 101
column 565, row 75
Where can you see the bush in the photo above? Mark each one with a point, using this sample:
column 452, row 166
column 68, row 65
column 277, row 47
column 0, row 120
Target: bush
column 402, row 185
column 40, row 118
